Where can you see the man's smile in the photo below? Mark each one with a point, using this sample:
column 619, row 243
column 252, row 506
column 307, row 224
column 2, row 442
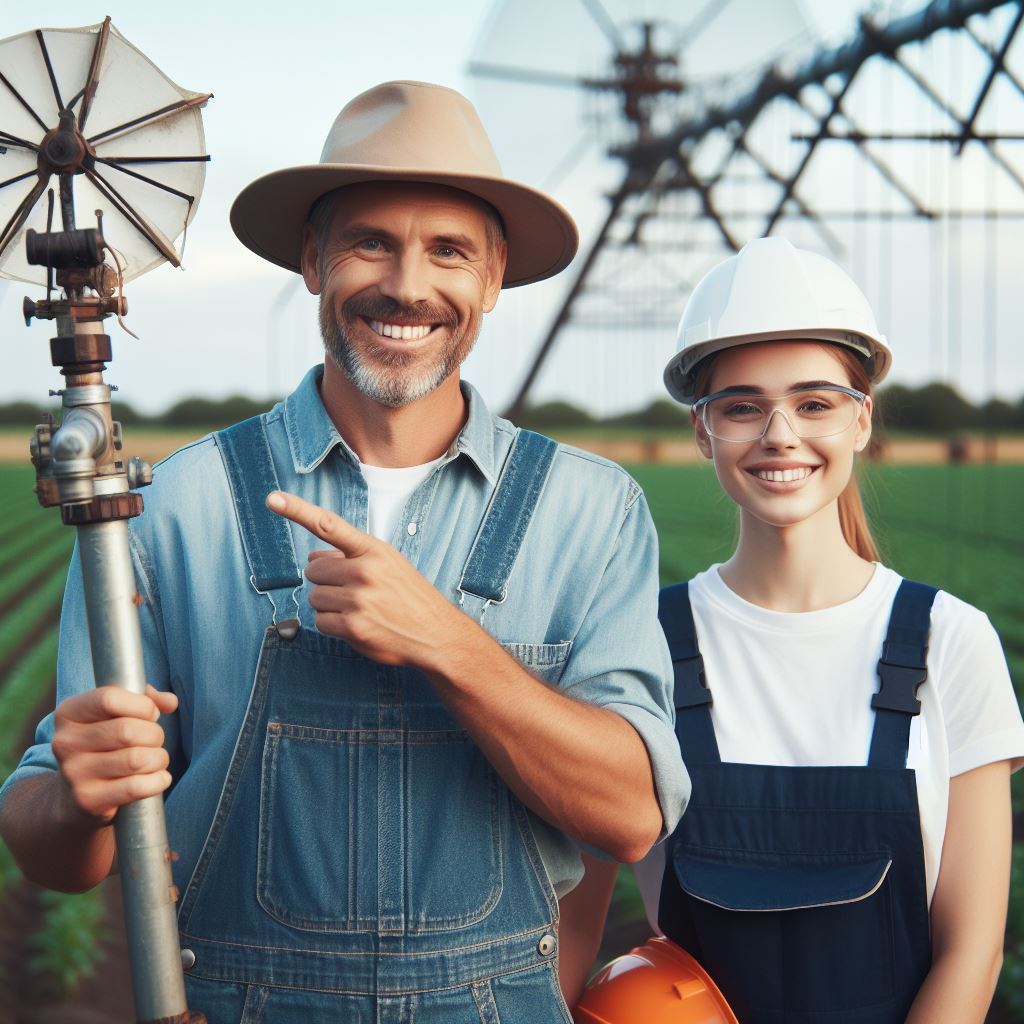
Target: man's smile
column 402, row 332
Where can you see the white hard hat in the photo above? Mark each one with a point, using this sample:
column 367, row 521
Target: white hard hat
column 772, row 291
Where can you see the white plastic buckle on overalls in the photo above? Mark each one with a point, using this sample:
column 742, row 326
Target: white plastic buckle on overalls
column 287, row 629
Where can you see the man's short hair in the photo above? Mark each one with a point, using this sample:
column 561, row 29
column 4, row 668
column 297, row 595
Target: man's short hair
column 321, row 216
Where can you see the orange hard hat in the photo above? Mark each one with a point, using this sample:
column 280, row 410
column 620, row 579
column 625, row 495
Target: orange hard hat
column 656, row 983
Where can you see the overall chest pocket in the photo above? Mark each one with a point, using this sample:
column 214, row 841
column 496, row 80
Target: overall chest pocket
column 398, row 829
column 377, row 830
column 786, row 933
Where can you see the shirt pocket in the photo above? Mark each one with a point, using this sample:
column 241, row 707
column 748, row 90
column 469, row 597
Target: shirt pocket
column 546, row 661
column 793, row 932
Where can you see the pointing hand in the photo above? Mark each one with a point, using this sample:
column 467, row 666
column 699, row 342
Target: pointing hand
column 368, row 594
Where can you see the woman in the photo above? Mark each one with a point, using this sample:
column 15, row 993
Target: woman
column 846, row 852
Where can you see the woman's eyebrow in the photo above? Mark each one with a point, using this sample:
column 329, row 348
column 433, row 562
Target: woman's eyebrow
column 807, row 385
column 754, row 389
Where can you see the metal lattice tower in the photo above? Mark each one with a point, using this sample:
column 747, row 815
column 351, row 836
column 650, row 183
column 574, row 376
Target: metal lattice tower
column 698, row 183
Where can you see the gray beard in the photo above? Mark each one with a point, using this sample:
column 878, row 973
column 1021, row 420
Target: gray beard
column 386, row 379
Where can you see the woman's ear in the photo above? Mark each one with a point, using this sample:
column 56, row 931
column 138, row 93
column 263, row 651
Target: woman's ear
column 700, row 435
column 863, row 435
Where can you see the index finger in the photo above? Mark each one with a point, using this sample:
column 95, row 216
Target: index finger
column 320, row 522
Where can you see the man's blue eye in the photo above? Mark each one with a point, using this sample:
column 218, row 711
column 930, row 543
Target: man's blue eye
column 446, row 251
column 373, row 244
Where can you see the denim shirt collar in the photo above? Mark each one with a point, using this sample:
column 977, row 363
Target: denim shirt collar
column 312, row 434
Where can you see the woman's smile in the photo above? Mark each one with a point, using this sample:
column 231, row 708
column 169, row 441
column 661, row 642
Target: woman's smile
column 781, row 477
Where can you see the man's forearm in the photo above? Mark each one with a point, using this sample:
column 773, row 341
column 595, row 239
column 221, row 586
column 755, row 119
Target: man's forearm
column 53, row 842
column 583, row 768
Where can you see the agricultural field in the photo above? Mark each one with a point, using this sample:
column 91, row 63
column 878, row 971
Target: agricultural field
column 956, row 526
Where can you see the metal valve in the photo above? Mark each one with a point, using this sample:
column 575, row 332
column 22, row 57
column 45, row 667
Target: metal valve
column 39, row 446
column 140, row 472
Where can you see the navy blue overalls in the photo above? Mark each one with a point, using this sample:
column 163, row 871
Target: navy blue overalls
column 802, row 890
column 365, row 862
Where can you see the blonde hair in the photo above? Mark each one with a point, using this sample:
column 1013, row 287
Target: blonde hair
column 853, row 519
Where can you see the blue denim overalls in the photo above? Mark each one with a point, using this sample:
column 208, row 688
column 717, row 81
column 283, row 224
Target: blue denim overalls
column 366, row 863
column 802, row 890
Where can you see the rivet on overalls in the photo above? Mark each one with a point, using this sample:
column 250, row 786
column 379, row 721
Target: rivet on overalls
column 546, row 946
column 188, row 959
column 288, row 629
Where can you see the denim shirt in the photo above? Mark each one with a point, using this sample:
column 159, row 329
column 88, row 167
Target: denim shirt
column 581, row 610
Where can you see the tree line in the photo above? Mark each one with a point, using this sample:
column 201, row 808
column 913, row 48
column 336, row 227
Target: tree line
column 932, row 409
column 935, row 408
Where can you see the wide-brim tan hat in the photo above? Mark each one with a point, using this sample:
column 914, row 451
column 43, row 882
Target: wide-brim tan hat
column 407, row 131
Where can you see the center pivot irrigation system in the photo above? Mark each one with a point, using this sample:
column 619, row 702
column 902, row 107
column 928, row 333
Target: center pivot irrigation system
column 85, row 118
column 711, row 153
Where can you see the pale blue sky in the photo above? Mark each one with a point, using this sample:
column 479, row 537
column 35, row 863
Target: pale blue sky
column 279, row 74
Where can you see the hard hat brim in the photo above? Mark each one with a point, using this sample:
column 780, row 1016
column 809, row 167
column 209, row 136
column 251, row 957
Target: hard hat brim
column 680, row 371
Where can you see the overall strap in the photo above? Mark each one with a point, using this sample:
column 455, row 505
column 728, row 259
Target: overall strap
column 266, row 537
column 491, row 559
column 694, row 730
column 902, row 669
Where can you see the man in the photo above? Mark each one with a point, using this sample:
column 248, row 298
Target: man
column 381, row 771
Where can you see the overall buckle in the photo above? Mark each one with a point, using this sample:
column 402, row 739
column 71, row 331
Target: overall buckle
column 900, row 684
column 691, row 689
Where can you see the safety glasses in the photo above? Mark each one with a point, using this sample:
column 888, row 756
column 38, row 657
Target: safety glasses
column 743, row 415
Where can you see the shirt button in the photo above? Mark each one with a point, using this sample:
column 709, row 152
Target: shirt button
column 546, row 946
column 411, row 529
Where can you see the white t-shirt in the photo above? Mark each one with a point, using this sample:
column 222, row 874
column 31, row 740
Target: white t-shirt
column 795, row 688
column 388, row 491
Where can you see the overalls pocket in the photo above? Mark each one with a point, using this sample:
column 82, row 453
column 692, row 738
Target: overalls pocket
column 355, row 819
column 317, row 859
column 805, row 932
column 455, row 815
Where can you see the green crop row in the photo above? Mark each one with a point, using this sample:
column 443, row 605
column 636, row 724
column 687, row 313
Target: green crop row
column 41, row 603
column 981, row 499
column 17, row 490
column 67, row 945
column 36, row 531
column 23, row 689
column 18, row 527
column 25, row 686
column 40, row 560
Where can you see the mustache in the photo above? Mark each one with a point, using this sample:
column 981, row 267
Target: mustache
column 391, row 311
